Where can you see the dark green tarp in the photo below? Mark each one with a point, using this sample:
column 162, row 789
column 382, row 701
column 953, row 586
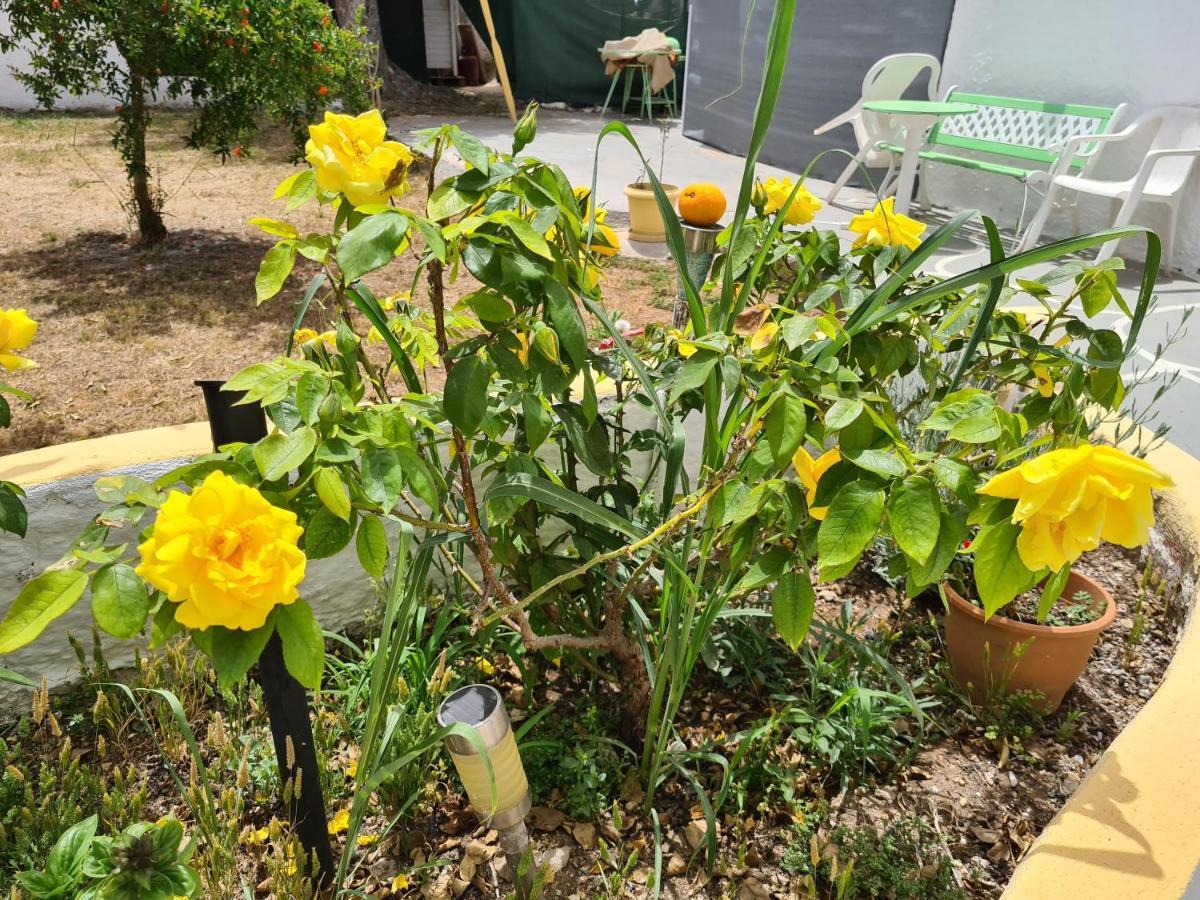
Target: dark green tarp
column 551, row 47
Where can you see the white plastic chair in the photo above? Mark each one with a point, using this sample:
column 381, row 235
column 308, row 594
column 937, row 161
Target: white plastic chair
column 1161, row 177
column 888, row 79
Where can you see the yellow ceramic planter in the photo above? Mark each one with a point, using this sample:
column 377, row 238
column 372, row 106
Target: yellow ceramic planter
column 645, row 218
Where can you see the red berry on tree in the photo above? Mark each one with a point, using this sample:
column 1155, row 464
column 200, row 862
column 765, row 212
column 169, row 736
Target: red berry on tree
column 237, row 151
column 229, row 42
column 56, row 5
column 322, row 90
column 317, row 46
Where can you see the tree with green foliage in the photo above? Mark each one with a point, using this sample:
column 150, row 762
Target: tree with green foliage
column 235, row 59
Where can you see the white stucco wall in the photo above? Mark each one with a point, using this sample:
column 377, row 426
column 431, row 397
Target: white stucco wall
column 1076, row 51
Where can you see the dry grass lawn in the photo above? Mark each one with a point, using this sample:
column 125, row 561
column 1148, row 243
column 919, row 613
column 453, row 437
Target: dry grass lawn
column 125, row 331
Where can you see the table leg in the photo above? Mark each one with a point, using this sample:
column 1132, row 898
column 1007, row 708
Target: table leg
column 612, row 87
column 913, row 137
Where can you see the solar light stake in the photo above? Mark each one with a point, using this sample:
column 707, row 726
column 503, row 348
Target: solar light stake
column 480, row 706
column 285, row 698
column 700, row 246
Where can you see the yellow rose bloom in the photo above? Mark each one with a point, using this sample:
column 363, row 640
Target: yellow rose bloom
column 224, row 554
column 801, row 211
column 810, row 471
column 1070, row 500
column 16, row 331
column 882, row 227
column 351, row 155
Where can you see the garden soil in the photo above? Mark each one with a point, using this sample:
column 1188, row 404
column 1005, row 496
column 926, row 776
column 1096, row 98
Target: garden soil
column 124, row 331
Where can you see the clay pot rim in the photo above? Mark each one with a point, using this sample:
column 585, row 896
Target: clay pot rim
column 1004, row 623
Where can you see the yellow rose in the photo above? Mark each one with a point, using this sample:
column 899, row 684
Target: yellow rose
column 810, row 471
column 1070, row 500
column 351, row 155
column 16, row 331
column 224, row 554
column 882, row 227
column 803, row 207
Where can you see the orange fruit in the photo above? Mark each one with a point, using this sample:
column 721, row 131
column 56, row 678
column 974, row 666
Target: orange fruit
column 702, row 204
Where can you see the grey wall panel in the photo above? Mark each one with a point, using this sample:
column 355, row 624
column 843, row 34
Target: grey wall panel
column 833, row 45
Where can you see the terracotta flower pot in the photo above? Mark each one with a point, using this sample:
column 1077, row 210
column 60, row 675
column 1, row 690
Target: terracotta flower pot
column 1002, row 656
column 645, row 218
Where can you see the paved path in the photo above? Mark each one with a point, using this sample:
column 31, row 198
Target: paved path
column 569, row 139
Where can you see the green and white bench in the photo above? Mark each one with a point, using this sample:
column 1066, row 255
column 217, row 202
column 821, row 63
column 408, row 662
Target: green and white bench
column 1023, row 139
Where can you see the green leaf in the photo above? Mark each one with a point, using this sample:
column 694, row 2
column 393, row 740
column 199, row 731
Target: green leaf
column 419, row 476
column 1100, row 286
column 693, row 373
column 8, row 676
column 372, row 243
column 1051, row 591
column 311, row 389
column 530, row 487
column 470, row 148
column 273, row 271
column 792, row 604
column 325, row 534
column 952, row 528
column 266, row 383
column 13, row 517
column 798, row 329
column 164, row 626
column 120, row 601
column 842, row 413
column 1000, row 575
column 881, row 462
column 957, row 477
column 765, row 568
column 333, row 492
column 433, row 238
column 537, row 421
column 564, row 316
column 526, row 234
column 371, row 544
column 42, row 600
column 279, row 453
column 233, row 651
column 976, row 429
column 850, row 523
column 275, row 227
column 71, row 850
column 914, row 513
column 590, row 442
column 784, row 427
column 959, row 405
column 303, row 643
column 465, row 395
column 447, row 201
column 489, row 306
column 382, row 475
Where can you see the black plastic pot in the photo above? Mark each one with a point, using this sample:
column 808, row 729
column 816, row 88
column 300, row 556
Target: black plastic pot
column 229, row 423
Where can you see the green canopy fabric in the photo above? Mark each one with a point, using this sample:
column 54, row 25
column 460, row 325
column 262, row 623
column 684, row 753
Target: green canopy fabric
column 551, row 48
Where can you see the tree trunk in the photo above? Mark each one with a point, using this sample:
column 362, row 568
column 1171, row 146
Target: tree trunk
column 393, row 81
column 151, row 229
column 635, row 688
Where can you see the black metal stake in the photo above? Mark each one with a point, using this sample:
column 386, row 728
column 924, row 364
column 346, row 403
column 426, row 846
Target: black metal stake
column 286, row 700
